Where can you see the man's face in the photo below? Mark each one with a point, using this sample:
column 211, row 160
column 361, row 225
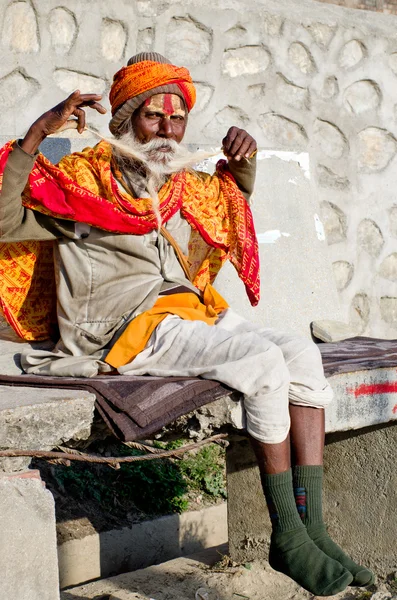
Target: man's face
column 163, row 116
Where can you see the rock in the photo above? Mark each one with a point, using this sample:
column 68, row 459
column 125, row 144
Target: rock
column 204, row 94
column 343, row 274
column 257, row 91
column 20, row 31
column 69, row 81
column 145, row 39
column 16, row 87
column 271, row 24
column 225, row 118
column 369, row 237
column 113, row 40
column 359, row 312
column 300, row 56
column 332, row 331
column 393, row 62
column 247, row 60
column 388, row 268
column 362, row 96
column 322, row 33
column 292, row 95
column 376, row 148
column 280, row 132
column 352, row 54
column 327, row 178
column 335, row 223
column 63, row 29
column 330, row 139
column 236, row 35
column 388, row 310
column 330, row 88
column 188, row 41
column 393, row 220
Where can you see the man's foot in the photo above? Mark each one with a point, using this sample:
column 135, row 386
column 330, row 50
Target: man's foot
column 319, row 535
column 296, row 555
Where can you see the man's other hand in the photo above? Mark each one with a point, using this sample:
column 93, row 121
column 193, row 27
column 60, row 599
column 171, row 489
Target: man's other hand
column 54, row 118
column 238, row 144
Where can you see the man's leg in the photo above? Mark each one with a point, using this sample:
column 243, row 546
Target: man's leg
column 292, row 552
column 307, row 444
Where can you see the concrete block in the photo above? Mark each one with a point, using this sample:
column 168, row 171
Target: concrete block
column 28, row 559
column 151, row 542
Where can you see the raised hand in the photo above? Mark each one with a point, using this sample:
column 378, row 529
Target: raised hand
column 238, row 144
column 56, row 117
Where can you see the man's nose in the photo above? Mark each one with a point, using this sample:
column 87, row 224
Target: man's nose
column 165, row 129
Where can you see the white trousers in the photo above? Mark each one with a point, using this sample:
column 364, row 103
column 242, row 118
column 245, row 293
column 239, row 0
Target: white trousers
column 270, row 368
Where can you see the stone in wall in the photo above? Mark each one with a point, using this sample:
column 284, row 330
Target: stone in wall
column 388, row 268
column 352, row 54
column 300, row 56
column 16, row 87
column 362, row 96
column 280, row 132
column 257, row 91
column 322, row 33
column 388, row 310
column 329, row 179
column 247, row 60
column 343, row 274
column 69, row 81
column 188, row 41
column 334, row 221
column 369, row 237
column 20, row 31
column 330, row 139
column 113, row 39
column 393, row 62
column 204, row 93
column 225, row 118
column 360, row 312
column 63, row 29
column 236, row 35
column 271, row 24
column 291, row 94
column 330, row 88
column 376, row 148
column 393, row 220
column 145, row 40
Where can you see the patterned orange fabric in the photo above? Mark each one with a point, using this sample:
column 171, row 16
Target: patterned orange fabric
column 83, row 188
column 147, row 75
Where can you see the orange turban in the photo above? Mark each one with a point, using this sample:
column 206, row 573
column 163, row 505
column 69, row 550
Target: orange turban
column 147, row 75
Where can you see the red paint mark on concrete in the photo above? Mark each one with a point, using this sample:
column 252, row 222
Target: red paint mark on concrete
column 394, row 409
column 370, row 389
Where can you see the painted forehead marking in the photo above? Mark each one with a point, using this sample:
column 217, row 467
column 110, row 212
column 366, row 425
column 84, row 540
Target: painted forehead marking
column 169, row 104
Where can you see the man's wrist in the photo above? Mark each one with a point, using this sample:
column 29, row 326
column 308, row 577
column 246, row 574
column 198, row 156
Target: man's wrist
column 32, row 140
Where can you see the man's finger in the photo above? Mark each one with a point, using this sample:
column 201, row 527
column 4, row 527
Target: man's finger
column 238, row 142
column 229, row 138
column 80, row 114
column 251, row 150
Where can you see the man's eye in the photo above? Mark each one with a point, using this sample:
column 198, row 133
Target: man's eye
column 177, row 118
column 153, row 115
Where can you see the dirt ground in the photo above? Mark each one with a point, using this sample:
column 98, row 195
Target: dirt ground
column 206, row 576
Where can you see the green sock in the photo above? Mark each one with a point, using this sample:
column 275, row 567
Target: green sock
column 308, row 483
column 292, row 552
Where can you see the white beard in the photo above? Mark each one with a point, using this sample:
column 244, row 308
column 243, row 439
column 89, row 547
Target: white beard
column 149, row 167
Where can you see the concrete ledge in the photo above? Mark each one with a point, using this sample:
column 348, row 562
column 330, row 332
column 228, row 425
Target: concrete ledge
column 144, row 544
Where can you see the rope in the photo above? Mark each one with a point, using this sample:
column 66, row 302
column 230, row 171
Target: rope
column 114, row 461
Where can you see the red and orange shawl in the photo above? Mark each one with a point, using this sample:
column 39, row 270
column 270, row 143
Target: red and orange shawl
column 83, row 188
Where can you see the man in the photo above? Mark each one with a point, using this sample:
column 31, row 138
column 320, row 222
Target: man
column 127, row 298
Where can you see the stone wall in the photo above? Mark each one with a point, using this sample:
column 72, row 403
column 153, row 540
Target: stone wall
column 385, row 6
column 300, row 75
